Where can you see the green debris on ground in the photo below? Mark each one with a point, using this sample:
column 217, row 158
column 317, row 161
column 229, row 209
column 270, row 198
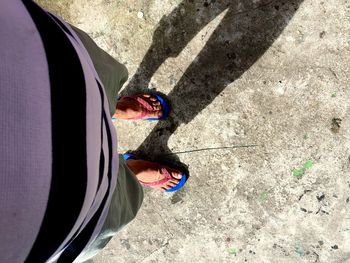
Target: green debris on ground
column 299, row 251
column 299, row 172
column 308, row 164
column 264, row 195
column 232, row 251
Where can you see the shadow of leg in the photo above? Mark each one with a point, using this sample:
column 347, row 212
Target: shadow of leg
column 237, row 43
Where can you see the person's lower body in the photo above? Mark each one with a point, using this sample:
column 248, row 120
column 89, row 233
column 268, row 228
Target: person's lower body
column 128, row 196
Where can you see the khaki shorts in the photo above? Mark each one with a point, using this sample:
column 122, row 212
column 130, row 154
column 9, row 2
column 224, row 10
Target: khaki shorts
column 128, row 195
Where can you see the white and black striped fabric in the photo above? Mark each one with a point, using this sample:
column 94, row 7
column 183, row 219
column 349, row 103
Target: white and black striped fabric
column 58, row 158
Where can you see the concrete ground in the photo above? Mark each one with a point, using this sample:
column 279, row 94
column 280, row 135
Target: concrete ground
column 269, row 75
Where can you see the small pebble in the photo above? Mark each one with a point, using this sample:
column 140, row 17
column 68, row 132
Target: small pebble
column 140, row 15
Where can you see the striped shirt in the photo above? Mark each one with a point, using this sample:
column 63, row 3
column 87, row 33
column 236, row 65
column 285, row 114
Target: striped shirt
column 58, row 159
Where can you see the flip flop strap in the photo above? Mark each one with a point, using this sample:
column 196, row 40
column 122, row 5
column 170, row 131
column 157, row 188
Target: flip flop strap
column 145, row 104
column 166, row 178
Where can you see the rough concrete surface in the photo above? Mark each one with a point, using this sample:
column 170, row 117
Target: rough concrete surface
column 274, row 74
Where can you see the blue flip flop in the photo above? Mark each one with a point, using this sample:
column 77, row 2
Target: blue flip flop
column 128, row 156
column 165, row 108
column 163, row 103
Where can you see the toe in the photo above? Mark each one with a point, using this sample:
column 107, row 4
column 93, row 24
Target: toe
column 146, row 95
column 172, row 184
column 167, row 187
column 155, row 114
column 176, row 175
column 174, row 181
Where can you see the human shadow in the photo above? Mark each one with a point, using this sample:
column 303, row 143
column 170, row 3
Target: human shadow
column 247, row 30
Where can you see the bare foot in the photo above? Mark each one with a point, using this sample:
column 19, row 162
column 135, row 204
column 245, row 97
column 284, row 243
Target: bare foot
column 150, row 172
column 129, row 108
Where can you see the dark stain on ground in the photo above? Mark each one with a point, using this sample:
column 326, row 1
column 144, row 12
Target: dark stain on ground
column 177, row 197
column 125, row 243
column 322, row 34
column 334, row 247
column 320, row 197
column 284, row 251
column 322, row 211
column 305, row 191
column 317, row 259
column 336, row 122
